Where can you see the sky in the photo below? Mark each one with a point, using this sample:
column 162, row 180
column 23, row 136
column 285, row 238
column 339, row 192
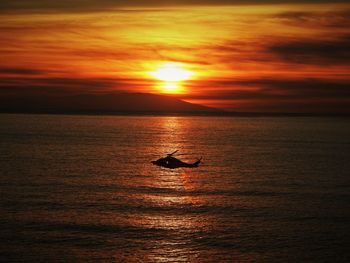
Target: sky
column 250, row 56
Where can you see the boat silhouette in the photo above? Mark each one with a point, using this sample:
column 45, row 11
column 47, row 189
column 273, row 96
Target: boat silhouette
column 172, row 163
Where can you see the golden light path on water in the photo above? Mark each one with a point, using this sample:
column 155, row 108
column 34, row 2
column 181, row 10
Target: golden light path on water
column 183, row 201
column 176, row 183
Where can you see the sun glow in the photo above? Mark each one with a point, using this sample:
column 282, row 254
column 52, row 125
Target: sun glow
column 171, row 75
column 172, row 72
column 171, row 87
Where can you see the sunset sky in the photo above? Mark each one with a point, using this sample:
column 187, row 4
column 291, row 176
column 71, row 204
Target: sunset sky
column 234, row 55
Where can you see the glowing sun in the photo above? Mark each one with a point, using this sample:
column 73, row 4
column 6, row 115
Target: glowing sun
column 172, row 72
column 171, row 75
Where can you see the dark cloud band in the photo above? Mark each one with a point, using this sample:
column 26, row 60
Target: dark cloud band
column 99, row 5
column 314, row 51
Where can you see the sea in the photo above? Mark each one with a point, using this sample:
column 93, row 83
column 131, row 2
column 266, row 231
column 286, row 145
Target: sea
column 82, row 188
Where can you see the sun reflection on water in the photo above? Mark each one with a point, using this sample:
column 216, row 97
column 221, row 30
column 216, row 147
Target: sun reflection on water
column 172, row 202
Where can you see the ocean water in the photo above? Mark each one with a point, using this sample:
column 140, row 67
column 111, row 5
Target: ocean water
column 82, row 189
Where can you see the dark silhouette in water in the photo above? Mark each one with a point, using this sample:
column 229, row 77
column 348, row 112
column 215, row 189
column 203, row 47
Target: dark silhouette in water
column 172, row 163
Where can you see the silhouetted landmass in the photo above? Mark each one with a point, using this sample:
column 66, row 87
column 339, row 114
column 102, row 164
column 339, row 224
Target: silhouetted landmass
column 126, row 104
column 104, row 103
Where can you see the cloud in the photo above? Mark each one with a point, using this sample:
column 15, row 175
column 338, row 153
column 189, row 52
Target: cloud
column 66, row 85
column 335, row 19
column 268, row 89
column 103, row 5
column 319, row 51
column 276, row 95
column 19, row 71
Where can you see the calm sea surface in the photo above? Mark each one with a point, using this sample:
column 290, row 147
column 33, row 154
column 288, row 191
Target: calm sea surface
column 82, row 188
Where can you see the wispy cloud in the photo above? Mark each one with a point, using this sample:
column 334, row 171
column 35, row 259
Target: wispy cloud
column 315, row 51
column 73, row 85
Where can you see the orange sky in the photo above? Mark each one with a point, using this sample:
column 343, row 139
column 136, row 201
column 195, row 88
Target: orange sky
column 284, row 58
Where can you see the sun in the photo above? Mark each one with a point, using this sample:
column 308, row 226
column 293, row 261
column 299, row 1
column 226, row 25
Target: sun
column 171, row 75
column 172, row 72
